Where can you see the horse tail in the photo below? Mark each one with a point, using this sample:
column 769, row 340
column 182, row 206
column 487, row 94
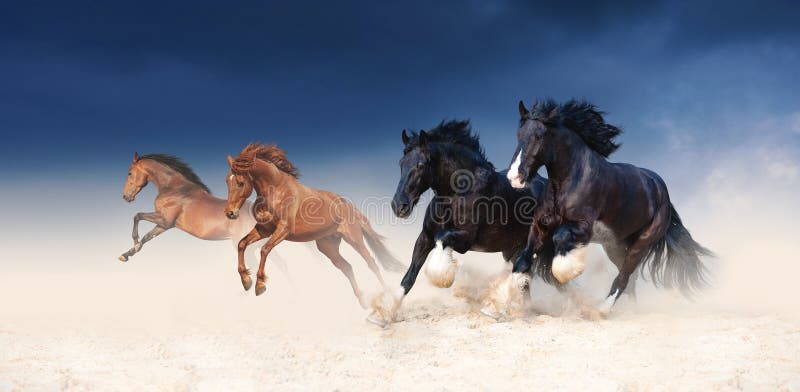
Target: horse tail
column 375, row 242
column 675, row 259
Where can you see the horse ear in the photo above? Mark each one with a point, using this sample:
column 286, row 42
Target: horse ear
column 423, row 139
column 405, row 137
column 135, row 157
column 523, row 112
column 230, row 161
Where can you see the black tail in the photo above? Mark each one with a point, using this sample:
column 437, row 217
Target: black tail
column 375, row 242
column 675, row 259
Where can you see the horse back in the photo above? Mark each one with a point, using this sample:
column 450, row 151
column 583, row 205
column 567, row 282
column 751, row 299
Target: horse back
column 633, row 198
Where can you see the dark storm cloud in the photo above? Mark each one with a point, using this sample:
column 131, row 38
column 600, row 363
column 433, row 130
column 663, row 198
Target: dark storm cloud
column 87, row 78
column 255, row 34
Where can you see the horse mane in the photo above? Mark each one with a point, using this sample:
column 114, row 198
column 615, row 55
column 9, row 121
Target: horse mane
column 453, row 132
column 179, row 166
column 581, row 117
column 267, row 152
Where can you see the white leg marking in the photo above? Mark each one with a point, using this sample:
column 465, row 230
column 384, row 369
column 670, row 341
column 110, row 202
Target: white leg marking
column 513, row 173
column 567, row 267
column 384, row 307
column 505, row 295
column 441, row 266
column 605, row 307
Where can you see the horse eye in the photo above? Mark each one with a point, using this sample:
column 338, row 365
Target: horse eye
column 130, row 174
column 241, row 184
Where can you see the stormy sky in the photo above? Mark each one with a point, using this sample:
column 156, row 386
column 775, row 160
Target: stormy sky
column 84, row 84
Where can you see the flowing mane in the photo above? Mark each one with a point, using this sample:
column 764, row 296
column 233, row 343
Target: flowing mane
column 179, row 166
column 453, row 132
column 267, row 152
column 581, row 117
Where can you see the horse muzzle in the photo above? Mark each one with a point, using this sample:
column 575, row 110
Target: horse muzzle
column 128, row 198
column 402, row 210
column 516, row 180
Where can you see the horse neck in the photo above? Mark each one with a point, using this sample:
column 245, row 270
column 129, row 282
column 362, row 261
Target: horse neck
column 570, row 158
column 266, row 176
column 164, row 177
column 447, row 162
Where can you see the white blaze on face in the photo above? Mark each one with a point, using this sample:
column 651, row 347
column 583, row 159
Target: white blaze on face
column 441, row 266
column 513, row 172
column 567, row 267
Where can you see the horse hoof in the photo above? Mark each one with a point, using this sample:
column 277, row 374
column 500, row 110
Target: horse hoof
column 377, row 321
column 488, row 313
column 123, row 258
column 260, row 288
column 247, row 282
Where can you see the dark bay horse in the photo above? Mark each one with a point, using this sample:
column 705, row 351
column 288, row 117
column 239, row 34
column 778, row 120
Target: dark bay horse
column 183, row 201
column 474, row 207
column 625, row 208
column 288, row 210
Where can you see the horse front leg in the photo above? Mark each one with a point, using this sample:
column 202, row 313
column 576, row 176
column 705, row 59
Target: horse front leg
column 279, row 234
column 161, row 226
column 511, row 292
column 244, row 274
column 385, row 306
column 570, row 241
column 441, row 266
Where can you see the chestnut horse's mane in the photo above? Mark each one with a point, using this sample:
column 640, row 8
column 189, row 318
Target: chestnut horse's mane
column 267, row 152
column 179, row 166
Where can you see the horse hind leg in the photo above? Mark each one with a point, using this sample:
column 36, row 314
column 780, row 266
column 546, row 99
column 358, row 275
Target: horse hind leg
column 357, row 242
column 634, row 256
column 616, row 253
column 329, row 246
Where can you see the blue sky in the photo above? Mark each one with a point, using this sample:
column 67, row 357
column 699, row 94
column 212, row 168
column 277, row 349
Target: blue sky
column 85, row 84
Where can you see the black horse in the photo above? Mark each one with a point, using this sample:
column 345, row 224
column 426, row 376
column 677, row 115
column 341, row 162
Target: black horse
column 625, row 208
column 474, row 206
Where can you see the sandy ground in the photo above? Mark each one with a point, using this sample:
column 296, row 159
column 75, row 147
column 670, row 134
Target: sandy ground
column 125, row 327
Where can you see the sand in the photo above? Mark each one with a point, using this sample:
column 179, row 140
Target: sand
column 126, row 327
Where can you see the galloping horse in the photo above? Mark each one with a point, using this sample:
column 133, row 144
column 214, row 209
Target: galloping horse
column 289, row 210
column 183, row 201
column 474, row 207
column 625, row 208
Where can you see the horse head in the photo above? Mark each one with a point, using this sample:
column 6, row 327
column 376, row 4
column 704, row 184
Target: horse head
column 240, row 184
column 415, row 174
column 137, row 179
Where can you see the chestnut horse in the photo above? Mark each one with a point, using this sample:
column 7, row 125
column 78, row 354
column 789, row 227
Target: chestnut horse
column 289, row 210
column 183, row 201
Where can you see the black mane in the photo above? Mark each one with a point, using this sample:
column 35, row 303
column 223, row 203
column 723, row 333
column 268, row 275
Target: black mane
column 179, row 166
column 581, row 117
column 455, row 132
